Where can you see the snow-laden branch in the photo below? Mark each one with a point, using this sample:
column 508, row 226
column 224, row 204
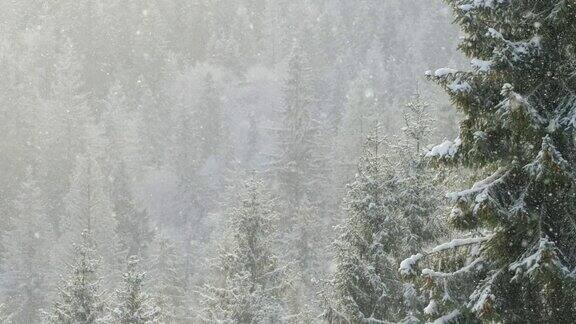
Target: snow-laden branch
column 467, row 268
column 495, row 178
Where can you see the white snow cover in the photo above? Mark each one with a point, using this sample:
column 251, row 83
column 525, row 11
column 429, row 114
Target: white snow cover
column 448, row 317
column 460, row 86
column 475, row 4
column 446, row 149
column 480, row 185
column 532, row 262
column 481, row 296
column 407, row 265
column 473, row 265
column 481, row 65
column 432, row 308
column 460, row 242
column 494, row 33
column 444, row 71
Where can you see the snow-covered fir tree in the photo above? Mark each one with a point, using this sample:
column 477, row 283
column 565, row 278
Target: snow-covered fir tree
column 295, row 162
column 26, row 273
column 417, row 195
column 303, row 252
column 391, row 212
column 417, row 192
column 134, row 228
column 359, row 117
column 517, row 264
column 134, row 304
column 122, row 123
column 250, row 282
column 299, row 167
column 65, row 112
column 365, row 280
column 90, row 208
column 169, row 286
column 417, row 122
column 69, row 100
column 81, row 299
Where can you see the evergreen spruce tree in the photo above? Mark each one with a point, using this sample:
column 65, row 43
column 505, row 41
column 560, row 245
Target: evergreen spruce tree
column 417, row 123
column 303, row 251
column 251, row 282
column 416, row 190
column 359, row 117
column 417, row 198
column 81, row 298
column 295, row 162
column 121, row 127
column 303, row 234
column 517, row 265
column 169, row 287
column 65, row 113
column 70, row 101
column 134, row 304
column 298, row 161
column 26, row 273
column 89, row 207
column 133, row 224
column 365, row 281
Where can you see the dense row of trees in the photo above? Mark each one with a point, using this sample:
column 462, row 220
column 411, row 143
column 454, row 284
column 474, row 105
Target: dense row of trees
column 135, row 123
column 265, row 161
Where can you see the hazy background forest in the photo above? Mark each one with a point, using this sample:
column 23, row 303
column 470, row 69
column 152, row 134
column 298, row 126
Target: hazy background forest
column 140, row 122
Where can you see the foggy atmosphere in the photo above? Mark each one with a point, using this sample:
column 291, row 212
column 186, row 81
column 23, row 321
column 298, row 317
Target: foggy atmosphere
column 287, row 161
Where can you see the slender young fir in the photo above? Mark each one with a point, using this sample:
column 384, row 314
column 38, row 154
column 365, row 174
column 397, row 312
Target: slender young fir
column 296, row 163
column 26, row 268
column 416, row 191
column 417, row 122
column 519, row 120
column 80, row 299
column 251, row 282
column 299, row 169
column 133, row 224
column 365, row 276
column 170, row 285
column 415, row 195
column 90, row 208
column 134, row 304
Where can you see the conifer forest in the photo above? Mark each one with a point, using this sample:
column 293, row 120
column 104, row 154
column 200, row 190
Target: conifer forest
column 287, row 161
